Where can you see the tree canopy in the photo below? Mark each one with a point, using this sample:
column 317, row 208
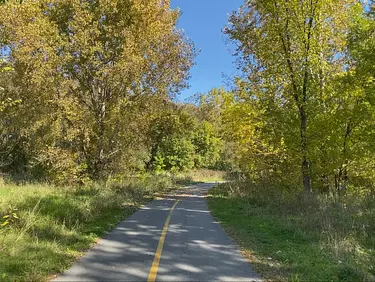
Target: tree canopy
column 87, row 91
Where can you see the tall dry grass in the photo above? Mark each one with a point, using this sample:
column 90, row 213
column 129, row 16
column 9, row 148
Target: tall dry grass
column 49, row 226
column 344, row 226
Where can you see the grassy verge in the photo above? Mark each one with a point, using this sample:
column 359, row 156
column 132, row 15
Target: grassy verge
column 294, row 238
column 46, row 228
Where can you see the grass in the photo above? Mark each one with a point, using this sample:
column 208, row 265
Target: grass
column 289, row 237
column 205, row 175
column 50, row 227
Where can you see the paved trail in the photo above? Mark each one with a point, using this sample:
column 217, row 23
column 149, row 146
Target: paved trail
column 195, row 248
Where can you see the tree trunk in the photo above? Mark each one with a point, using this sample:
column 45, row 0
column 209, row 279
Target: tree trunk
column 343, row 170
column 304, row 146
column 304, row 150
column 150, row 163
column 99, row 104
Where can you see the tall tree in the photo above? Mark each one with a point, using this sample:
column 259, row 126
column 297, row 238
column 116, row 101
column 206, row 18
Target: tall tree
column 289, row 50
column 93, row 69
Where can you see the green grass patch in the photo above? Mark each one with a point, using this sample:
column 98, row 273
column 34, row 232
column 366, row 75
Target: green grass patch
column 295, row 239
column 49, row 227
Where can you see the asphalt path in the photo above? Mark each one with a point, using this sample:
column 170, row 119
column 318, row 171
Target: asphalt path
column 174, row 239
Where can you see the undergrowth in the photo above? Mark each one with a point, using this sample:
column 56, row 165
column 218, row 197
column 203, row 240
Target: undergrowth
column 294, row 237
column 45, row 228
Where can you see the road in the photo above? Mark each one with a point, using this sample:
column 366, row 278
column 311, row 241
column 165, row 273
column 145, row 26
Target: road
column 174, row 239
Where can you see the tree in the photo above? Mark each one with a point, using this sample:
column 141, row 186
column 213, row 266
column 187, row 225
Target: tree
column 214, row 132
column 93, row 71
column 170, row 140
column 290, row 50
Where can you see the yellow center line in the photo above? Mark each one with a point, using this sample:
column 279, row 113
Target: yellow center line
column 159, row 250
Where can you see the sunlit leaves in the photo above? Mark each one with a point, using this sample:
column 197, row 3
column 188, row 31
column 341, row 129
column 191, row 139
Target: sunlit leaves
column 90, row 74
column 9, row 218
column 298, row 97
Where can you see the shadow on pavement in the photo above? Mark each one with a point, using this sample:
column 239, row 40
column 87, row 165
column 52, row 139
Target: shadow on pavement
column 195, row 249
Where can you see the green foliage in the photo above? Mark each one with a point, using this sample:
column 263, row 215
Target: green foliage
column 175, row 155
column 180, row 141
column 87, row 101
column 208, row 145
column 303, row 108
column 298, row 237
column 87, row 90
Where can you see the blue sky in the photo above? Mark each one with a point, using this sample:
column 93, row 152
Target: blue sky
column 202, row 21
